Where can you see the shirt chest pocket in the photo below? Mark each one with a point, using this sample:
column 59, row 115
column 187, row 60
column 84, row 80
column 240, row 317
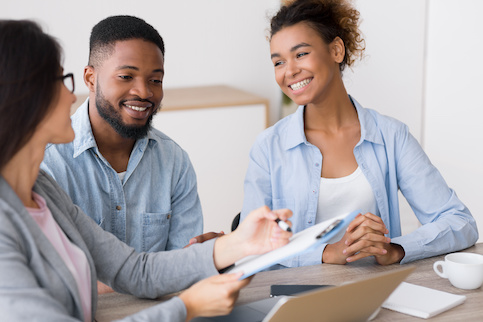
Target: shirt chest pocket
column 155, row 231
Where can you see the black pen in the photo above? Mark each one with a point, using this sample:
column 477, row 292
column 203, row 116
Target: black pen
column 282, row 224
column 327, row 230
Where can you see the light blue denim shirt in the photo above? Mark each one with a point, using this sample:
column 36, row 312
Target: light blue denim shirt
column 155, row 208
column 284, row 172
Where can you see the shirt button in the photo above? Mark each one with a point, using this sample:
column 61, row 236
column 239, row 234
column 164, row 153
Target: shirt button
column 118, row 207
column 168, row 216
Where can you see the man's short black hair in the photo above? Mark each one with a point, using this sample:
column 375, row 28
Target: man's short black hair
column 116, row 28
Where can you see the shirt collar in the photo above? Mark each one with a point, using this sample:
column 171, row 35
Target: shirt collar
column 369, row 130
column 295, row 135
column 84, row 138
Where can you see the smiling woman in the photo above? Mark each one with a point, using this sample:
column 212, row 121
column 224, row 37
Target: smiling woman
column 334, row 156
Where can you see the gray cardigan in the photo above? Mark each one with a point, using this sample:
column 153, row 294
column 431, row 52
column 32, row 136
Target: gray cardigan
column 35, row 283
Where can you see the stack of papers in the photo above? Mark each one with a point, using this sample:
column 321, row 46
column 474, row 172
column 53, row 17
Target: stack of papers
column 421, row 301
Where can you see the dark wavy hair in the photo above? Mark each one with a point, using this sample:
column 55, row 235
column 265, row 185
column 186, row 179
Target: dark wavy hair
column 30, row 62
column 116, row 28
column 330, row 18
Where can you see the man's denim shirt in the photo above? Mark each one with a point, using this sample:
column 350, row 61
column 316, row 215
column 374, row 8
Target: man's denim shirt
column 155, row 208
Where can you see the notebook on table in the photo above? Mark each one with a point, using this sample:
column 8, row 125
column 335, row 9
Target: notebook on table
column 354, row 301
column 422, row 302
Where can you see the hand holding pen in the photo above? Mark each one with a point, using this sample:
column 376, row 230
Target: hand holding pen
column 258, row 233
column 282, row 224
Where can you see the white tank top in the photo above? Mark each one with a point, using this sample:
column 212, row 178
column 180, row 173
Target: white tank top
column 121, row 175
column 340, row 196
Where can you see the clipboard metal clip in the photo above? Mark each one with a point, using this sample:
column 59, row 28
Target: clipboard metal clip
column 327, row 230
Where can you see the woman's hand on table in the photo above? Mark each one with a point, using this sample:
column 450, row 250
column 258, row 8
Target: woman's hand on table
column 365, row 236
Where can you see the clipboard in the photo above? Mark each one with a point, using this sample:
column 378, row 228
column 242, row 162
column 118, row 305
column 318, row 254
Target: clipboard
column 302, row 242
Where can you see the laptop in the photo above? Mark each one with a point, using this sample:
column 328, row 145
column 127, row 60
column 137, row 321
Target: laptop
column 354, row 301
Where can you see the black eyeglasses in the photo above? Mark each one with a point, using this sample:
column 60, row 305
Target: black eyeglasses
column 68, row 80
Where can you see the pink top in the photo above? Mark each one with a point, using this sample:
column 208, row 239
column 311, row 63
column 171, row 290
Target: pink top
column 73, row 256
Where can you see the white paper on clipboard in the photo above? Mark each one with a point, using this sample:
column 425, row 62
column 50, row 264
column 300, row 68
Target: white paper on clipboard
column 301, row 242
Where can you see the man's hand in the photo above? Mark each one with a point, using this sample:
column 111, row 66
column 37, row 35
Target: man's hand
column 204, row 237
column 103, row 288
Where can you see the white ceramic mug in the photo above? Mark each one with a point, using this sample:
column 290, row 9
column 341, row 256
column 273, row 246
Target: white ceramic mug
column 464, row 270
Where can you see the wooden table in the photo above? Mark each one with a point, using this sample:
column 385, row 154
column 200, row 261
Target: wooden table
column 112, row 306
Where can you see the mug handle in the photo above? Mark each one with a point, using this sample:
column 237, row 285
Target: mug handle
column 436, row 266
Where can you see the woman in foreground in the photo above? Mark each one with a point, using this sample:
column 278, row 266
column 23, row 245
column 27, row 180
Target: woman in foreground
column 51, row 254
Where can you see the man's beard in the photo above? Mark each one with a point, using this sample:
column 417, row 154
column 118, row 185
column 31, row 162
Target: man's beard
column 114, row 118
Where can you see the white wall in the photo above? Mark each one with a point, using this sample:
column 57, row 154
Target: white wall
column 453, row 134
column 389, row 79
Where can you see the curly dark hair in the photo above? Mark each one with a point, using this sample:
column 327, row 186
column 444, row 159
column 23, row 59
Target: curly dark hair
column 115, row 28
column 330, row 18
column 30, row 64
